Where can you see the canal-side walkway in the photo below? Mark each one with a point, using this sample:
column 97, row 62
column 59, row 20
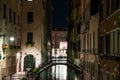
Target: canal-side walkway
column 17, row 76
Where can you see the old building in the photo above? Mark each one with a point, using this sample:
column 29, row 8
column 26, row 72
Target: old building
column 83, row 36
column 109, row 40
column 73, row 29
column 89, row 57
column 10, row 31
column 36, row 33
column 59, row 42
column 25, row 35
column 93, row 38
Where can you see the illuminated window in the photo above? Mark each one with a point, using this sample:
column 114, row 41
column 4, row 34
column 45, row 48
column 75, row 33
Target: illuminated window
column 29, row 0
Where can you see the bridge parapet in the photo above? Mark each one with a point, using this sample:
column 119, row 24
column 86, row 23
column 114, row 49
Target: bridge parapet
column 59, row 62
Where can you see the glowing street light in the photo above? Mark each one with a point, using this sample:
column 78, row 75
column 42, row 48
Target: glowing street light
column 12, row 39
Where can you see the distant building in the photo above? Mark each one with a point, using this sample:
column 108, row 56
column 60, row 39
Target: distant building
column 59, row 43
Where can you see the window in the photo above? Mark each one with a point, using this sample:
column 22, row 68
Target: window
column 29, row 37
column 29, row 17
column 101, row 12
column 74, row 46
column 90, row 43
column 118, row 42
column 93, row 42
column 101, row 44
column 87, row 66
column 18, row 20
column 84, row 46
column 115, row 42
column 115, row 5
column 78, row 28
column 14, row 17
column 43, row 4
column 30, row 0
column 112, row 6
column 107, row 37
column 94, row 6
column 10, row 15
column 79, row 46
column 108, row 8
column 4, row 11
column 108, row 76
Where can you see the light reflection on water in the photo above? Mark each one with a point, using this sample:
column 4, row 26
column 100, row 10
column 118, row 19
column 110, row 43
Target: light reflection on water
column 59, row 72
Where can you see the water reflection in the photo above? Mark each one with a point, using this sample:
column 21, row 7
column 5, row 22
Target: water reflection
column 59, row 72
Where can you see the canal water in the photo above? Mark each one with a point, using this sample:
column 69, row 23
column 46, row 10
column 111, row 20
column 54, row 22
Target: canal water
column 60, row 72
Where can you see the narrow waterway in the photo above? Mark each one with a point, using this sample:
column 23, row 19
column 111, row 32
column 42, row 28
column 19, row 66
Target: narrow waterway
column 60, row 72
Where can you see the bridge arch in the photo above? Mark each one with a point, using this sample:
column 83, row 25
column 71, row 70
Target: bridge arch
column 52, row 63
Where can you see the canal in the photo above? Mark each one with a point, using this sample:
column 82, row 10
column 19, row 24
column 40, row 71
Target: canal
column 60, row 72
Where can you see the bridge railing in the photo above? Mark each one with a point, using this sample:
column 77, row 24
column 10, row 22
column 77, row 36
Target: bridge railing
column 55, row 62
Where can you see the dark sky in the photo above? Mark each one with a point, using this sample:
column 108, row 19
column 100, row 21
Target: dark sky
column 59, row 13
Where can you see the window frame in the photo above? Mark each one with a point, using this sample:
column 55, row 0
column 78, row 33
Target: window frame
column 29, row 37
column 30, row 17
column 30, row 0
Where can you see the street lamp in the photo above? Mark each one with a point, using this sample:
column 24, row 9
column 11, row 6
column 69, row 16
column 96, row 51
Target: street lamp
column 12, row 39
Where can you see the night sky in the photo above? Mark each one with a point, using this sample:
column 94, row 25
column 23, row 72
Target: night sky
column 59, row 13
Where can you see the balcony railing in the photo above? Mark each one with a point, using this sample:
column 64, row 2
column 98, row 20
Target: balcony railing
column 110, row 57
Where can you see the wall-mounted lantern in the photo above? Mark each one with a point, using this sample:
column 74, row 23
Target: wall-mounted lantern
column 12, row 39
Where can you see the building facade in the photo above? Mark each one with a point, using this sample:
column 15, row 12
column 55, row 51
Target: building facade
column 73, row 30
column 109, row 40
column 93, row 38
column 89, row 56
column 25, row 35
column 59, row 42
column 36, row 33
column 10, row 35
column 85, row 36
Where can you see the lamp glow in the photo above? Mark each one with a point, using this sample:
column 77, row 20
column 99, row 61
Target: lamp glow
column 12, row 39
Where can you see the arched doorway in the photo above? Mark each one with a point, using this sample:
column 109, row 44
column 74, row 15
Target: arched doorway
column 29, row 62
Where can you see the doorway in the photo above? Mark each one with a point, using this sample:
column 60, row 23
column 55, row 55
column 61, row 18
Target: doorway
column 29, row 62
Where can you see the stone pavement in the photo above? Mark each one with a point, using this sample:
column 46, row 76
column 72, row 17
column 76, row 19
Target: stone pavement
column 17, row 76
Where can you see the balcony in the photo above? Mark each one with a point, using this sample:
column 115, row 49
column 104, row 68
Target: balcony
column 110, row 57
column 29, row 43
column 85, row 27
column 14, row 47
